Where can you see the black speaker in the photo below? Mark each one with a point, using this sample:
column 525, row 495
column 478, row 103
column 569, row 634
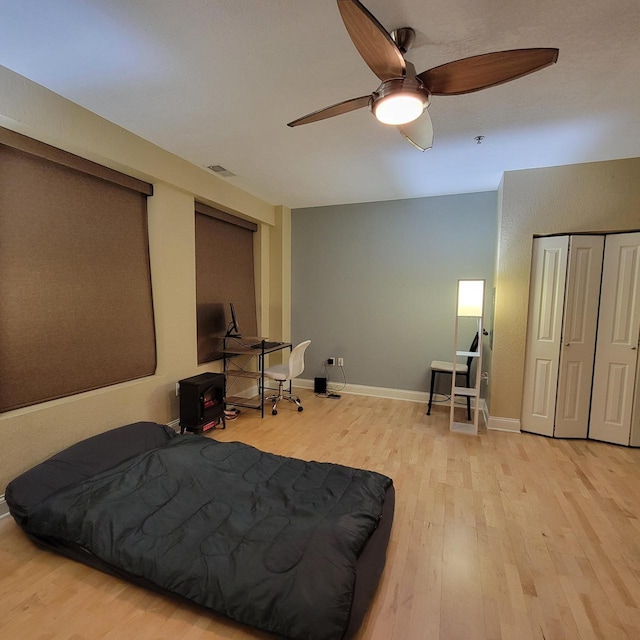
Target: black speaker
column 320, row 385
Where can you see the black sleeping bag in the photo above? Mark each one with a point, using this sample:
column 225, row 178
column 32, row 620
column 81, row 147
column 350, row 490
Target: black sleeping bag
column 267, row 540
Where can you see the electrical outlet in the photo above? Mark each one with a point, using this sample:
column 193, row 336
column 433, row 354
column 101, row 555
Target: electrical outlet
column 341, row 362
column 331, row 361
column 177, row 389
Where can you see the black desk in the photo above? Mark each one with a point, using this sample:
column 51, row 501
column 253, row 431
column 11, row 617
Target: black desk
column 240, row 360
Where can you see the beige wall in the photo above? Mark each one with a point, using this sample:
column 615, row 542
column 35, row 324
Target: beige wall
column 280, row 266
column 600, row 196
column 29, row 435
column 30, row 109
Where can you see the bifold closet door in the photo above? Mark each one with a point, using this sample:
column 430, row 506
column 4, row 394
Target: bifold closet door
column 578, row 345
column 616, row 364
column 546, row 302
column 561, row 335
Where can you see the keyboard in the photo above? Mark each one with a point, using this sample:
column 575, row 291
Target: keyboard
column 267, row 345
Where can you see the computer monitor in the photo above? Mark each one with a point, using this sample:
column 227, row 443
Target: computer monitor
column 232, row 329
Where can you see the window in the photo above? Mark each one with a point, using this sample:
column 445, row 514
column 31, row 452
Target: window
column 75, row 285
column 224, row 274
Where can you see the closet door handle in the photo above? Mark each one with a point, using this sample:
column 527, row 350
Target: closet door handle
column 633, row 348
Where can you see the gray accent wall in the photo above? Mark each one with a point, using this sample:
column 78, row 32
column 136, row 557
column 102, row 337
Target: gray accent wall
column 375, row 283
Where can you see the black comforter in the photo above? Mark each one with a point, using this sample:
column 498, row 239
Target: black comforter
column 232, row 528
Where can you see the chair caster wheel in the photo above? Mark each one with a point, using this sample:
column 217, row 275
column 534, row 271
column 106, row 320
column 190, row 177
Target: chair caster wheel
column 274, row 412
column 300, row 408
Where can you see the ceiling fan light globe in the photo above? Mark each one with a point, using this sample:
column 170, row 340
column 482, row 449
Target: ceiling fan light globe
column 399, row 108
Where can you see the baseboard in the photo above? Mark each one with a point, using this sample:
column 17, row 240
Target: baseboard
column 363, row 390
column 503, row 424
column 484, row 410
column 4, row 508
column 383, row 392
column 174, row 424
column 493, row 423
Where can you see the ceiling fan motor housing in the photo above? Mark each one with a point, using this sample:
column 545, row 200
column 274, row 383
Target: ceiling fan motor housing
column 404, row 38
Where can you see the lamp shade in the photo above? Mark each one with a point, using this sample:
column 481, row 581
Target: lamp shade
column 470, row 298
column 399, row 108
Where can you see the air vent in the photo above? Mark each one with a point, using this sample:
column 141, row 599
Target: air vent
column 220, row 170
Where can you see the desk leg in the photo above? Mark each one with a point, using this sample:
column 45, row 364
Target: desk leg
column 262, row 384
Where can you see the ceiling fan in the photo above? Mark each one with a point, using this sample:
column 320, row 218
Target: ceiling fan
column 403, row 97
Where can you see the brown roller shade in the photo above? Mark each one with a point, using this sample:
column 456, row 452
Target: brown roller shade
column 75, row 286
column 225, row 217
column 66, row 159
column 224, row 274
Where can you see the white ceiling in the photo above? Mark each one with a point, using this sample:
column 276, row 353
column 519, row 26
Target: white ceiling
column 216, row 81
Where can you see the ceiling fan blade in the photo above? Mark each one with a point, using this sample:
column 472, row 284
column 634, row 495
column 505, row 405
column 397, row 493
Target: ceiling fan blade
column 333, row 110
column 419, row 132
column 487, row 70
column 372, row 41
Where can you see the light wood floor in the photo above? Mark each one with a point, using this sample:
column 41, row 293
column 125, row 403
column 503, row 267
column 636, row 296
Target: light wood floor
column 503, row 535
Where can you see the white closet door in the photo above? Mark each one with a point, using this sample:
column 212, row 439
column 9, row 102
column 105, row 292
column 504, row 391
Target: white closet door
column 617, row 342
column 635, row 418
column 579, row 326
column 546, row 301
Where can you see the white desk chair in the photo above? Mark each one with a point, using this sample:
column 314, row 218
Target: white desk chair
column 283, row 373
